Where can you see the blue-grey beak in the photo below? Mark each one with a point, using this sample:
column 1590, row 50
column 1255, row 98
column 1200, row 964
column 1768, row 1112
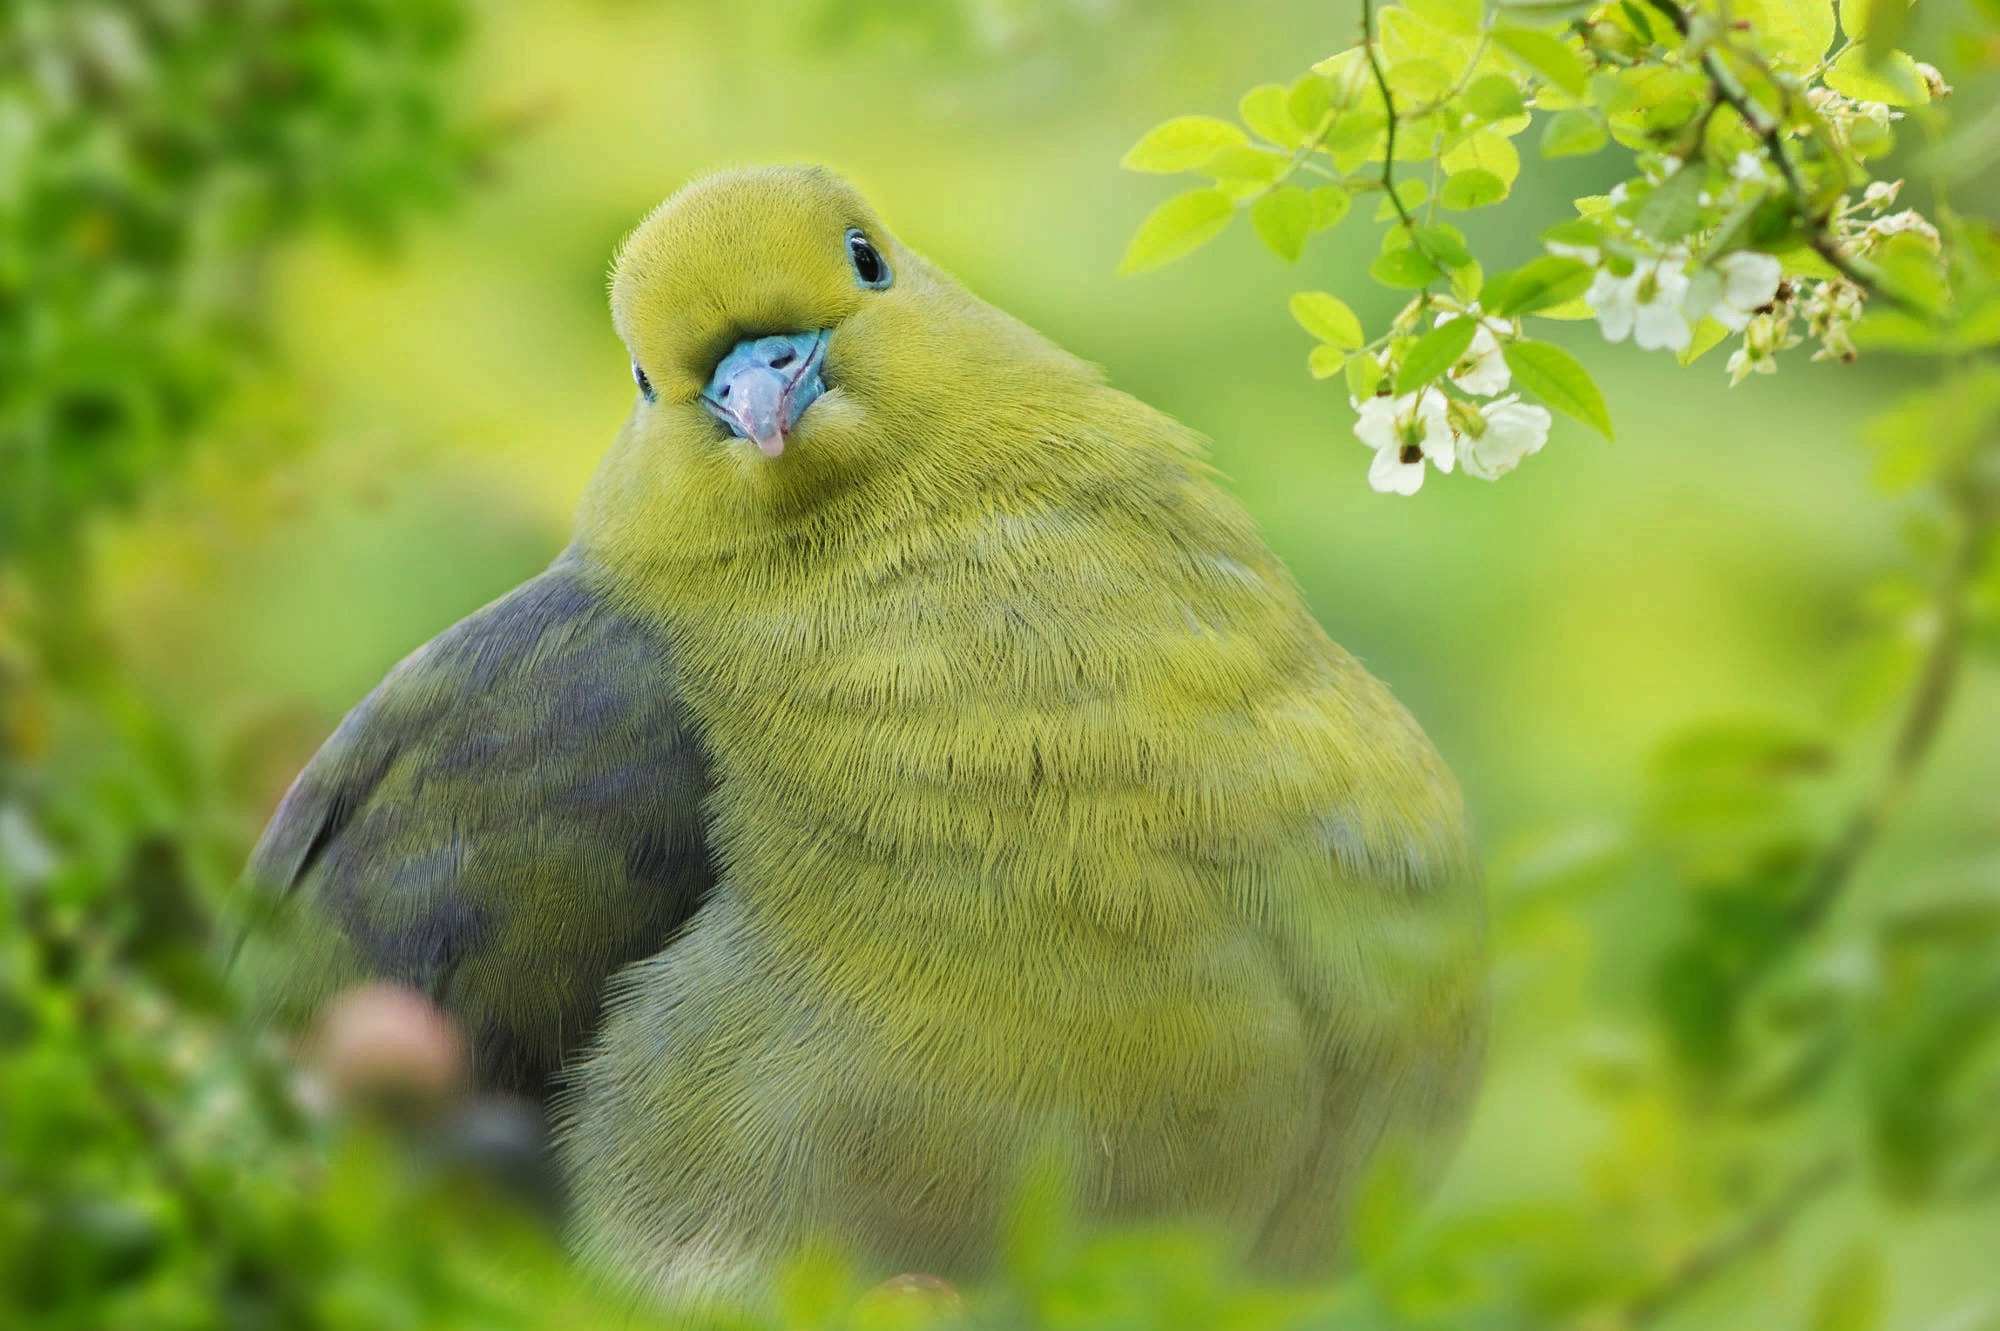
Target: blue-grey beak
column 762, row 387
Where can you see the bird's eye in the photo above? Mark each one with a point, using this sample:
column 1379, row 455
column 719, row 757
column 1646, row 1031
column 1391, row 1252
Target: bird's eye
column 869, row 266
column 639, row 378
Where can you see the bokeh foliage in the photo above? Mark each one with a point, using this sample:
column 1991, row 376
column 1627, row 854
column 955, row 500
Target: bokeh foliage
column 1749, row 1101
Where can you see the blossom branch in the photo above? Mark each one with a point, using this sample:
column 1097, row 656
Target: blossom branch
column 1770, row 133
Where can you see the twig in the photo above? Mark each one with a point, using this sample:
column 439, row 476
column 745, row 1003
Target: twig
column 1762, row 1229
column 1937, row 681
column 1930, row 699
column 1818, row 221
column 1389, row 110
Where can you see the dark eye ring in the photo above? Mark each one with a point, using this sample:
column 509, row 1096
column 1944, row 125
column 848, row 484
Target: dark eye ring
column 870, row 269
column 639, row 378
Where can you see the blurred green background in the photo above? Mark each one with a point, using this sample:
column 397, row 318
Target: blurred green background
column 1546, row 631
column 458, row 387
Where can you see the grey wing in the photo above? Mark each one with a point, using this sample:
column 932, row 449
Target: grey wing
column 511, row 816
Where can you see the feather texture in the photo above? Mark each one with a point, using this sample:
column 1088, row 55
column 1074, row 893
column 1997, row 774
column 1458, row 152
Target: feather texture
column 510, row 817
column 1049, row 826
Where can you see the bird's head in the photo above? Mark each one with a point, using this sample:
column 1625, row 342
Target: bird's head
column 785, row 345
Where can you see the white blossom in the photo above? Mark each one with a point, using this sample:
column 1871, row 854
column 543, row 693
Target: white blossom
column 1743, row 363
column 1645, row 306
column 1482, row 370
column 1763, row 338
column 1881, row 193
column 1747, row 167
column 1404, row 431
column 1904, row 223
column 1746, row 282
column 1493, row 438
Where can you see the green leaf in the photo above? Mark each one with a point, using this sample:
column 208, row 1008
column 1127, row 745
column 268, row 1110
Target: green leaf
column 1674, row 208
column 1910, row 270
column 1797, row 31
column 1434, row 353
column 1264, row 110
column 1364, row 376
column 1241, row 162
column 1308, row 102
column 1535, row 286
column 1546, row 11
column 1406, row 268
column 1446, row 244
column 1877, row 24
column 1327, row 318
column 1706, row 336
column 1411, row 192
column 1326, row 361
column 1893, row 79
column 1281, row 219
column 1546, row 55
column 1461, row 16
column 1484, row 150
column 1578, row 231
column 1559, row 379
column 1980, row 326
column 1419, row 79
column 1327, row 205
column 1573, row 133
column 1466, row 279
column 1466, row 190
column 1895, row 330
column 1182, row 144
column 1356, row 137
column 1493, row 97
column 1178, row 227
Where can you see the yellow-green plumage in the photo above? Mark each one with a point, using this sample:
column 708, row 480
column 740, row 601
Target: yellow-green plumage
column 1046, row 820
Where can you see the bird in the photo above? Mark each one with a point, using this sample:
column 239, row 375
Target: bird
column 915, row 777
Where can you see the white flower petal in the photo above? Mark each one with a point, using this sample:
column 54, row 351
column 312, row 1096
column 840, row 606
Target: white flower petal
column 1482, row 371
column 1439, row 439
column 1612, row 299
column 1514, row 430
column 1389, row 474
column 1749, row 279
column 1704, row 294
column 1670, row 278
column 1660, row 326
column 1375, row 422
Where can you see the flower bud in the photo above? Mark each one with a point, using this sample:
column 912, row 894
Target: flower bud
column 389, row 1049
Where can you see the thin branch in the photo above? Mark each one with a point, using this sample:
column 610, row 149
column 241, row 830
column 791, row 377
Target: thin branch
column 1916, row 735
column 1389, row 110
column 1757, row 1233
column 1937, row 682
column 1818, row 221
